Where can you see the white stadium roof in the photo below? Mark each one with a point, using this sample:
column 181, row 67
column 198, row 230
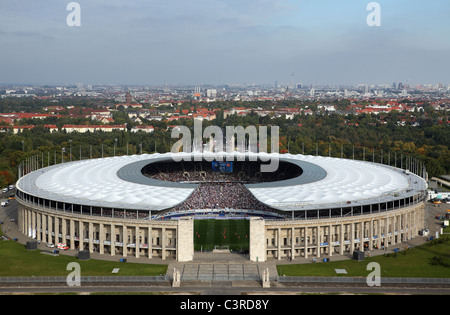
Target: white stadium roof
column 117, row 182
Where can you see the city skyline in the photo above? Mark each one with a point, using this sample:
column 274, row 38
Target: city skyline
column 225, row 42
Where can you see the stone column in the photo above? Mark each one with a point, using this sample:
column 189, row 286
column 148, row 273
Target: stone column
column 341, row 239
column 25, row 221
column 330, row 240
column 38, row 227
column 257, row 244
column 101, row 238
column 318, row 240
column 44, row 228
column 279, row 243
column 185, row 240
column 113, row 240
column 33, row 224
column 292, row 243
column 306, row 242
column 56, row 220
column 64, row 230
column 50, row 229
column 163, row 243
column 393, row 238
column 150, row 243
column 386, row 232
column 137, row 242
column 72, row 233
column 91, row 237
column 352, row 237
column 81, row 235
column 124, row 240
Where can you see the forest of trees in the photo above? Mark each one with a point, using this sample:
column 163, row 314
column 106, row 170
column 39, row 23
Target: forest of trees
column 365, row 137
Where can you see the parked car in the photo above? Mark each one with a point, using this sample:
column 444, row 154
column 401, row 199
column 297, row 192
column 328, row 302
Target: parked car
column 50, row 245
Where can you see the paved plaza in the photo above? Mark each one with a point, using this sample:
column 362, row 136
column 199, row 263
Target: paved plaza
column 222, row 271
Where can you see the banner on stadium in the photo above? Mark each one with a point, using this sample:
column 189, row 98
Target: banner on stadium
column 222, row 166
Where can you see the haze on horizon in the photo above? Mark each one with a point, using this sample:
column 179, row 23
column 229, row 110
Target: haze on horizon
column 224, row 42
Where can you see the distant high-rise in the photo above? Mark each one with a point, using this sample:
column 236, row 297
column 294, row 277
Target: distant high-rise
column 128, row 98
column 366, row 88
column 197, row 92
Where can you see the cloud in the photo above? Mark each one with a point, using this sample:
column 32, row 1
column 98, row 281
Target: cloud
column 221, row 41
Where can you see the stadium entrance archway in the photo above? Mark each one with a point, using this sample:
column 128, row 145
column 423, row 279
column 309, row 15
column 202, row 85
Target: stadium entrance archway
column 221, row 236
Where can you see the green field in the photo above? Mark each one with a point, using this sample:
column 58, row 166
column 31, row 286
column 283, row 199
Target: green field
column 15, row 260
column 431, row 260
column 232, row 233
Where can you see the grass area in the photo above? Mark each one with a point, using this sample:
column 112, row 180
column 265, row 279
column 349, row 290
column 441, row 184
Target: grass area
column 16, row 260
column 232, row 233
column 429, row 260
column 426, row 261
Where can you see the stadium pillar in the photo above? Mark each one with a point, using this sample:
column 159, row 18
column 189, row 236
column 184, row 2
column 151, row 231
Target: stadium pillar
column 102, row 238
column 24, row 221
column 292, row 241
column 81, row 235
column 150, row 242
column 44, row 233
column 318, row 239
column 306, row 241
column 113, row 240
column 44, row 228
column 72, row 233
column 124, row 240
column 137, row 242
column 38, row 226
column 90, row 236
column 64, row 230
column 352, row 237
column 163, row 243
column 330, row 240
column 56, row 220
column 341, row 240
column 33, row 224
column 49, row 229
column 279, row 243
column 185, row 240
column 379, row 233
column 257, row 243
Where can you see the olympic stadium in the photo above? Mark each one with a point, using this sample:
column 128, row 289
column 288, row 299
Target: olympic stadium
column 145, row 205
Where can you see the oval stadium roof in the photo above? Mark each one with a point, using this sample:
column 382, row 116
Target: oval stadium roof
column 117, row 182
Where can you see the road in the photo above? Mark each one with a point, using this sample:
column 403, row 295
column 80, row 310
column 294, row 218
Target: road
column 228, row 290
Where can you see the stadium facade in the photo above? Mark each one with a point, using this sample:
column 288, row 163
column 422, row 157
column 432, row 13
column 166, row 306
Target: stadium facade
column 144, row 205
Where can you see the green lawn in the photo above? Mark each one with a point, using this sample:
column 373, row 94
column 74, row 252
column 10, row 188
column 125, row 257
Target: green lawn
column 416, row 262
column 232, row 233
column 15, row 260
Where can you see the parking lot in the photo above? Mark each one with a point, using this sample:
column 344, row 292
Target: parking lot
column 7, row 194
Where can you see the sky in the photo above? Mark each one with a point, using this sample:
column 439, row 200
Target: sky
column 194, row 42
